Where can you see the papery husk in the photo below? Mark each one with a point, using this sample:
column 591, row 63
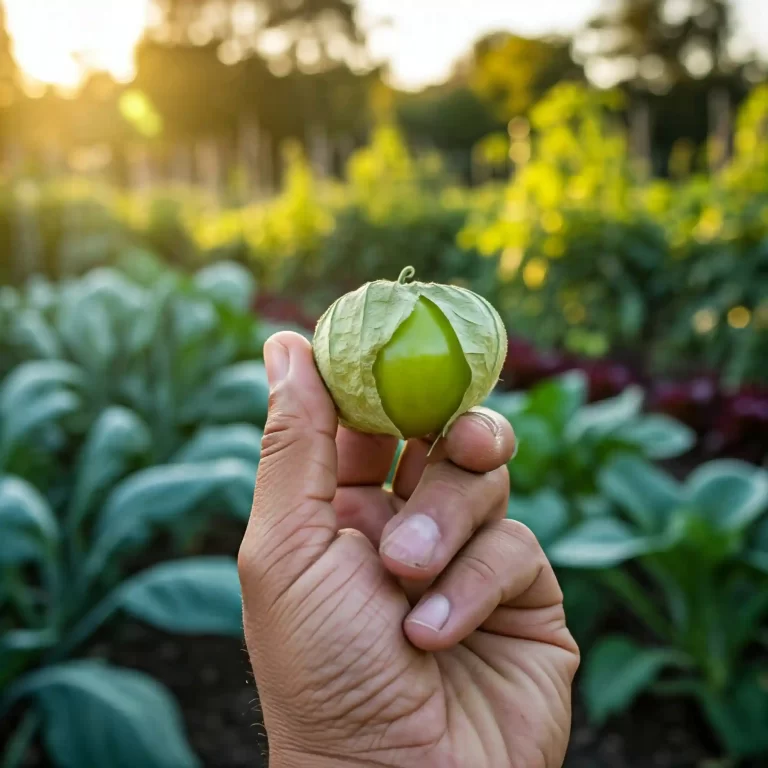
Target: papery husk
column 355, row 328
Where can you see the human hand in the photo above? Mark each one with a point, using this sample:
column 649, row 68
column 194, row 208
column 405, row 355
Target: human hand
column 477, row 674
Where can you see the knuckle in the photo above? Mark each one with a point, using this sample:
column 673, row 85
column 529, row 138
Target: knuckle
column 281, row 431
column 481, row 570
column 498, row 483
column 247, row 561
column 446, row 480
column 521, row 535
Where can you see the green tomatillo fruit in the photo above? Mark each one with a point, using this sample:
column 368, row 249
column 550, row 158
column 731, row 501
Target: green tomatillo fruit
column 408, row 358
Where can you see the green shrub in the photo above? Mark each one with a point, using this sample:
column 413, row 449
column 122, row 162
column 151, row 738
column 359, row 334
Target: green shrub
column 698, row 582
column 128, row 410
column 595, row 258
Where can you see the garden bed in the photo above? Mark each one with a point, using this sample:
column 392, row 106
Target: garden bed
column 211, row 680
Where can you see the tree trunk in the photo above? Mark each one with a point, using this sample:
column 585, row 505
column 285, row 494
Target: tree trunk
column 719, row 120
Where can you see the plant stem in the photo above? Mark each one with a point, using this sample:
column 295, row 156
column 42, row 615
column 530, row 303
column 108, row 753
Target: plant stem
column 20, row 597
column 21, row 739
column 86, row 626
column 634, row 596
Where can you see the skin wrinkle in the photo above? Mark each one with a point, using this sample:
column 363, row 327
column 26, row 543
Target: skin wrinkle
column 448, row 672
column 341, row 674
column 322, row 604
column 535, row 680
column 552, row 628
column 351, row 643
column 419, row 705
column 538, row 726
column 486, row 715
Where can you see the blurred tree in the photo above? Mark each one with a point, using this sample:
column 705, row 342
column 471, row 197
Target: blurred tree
column 657, row 43
column 676, row 61
column 10, row 88
column 512, row 73
column 451, row 118
column 309, row 33
column 195, row 93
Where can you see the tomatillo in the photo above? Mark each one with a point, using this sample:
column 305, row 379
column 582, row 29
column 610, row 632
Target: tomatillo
column 407, row 358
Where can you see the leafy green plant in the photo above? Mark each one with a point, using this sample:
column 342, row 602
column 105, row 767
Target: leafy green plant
column 180, row 353
column 595, row 257
column 563, row 442
column 36, row 400
column 63, row 566
column 690, row 561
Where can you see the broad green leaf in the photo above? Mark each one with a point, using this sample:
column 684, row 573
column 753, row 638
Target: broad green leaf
column 593, row 505
column 617, row 671
column 114, row 288
column 239, row 392
column 41, row 293
column 647, row 495
column 739, row 715
column 16, row 646
column 757, row 554
column 228, row 283
column 558, row 400
column 730, row 494
column 601, row 543
column 607, row 416
column 114, row 442
column 508, row 404
column 164, row 496
column 28, row 527
column 545, row 513
column 32, row 332
column 235, row 441
column 537, row 446
column 33, row 395
column 95, row 715
column 149, row 321
column 43, row 411
column 194, row 318
column 85, row 326
column 27, row 640
column 585, row 603
column 659, row 436
column 194, row 596
column 30, row 380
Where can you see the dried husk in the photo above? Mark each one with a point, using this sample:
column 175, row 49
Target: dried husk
column 354, row 329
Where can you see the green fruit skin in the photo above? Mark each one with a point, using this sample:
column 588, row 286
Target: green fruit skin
column 421, row 373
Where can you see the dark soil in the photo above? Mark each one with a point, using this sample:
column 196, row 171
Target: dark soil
column 213, row 684
column 211, row 679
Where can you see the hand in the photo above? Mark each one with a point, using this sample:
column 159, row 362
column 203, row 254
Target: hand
column 350, row 673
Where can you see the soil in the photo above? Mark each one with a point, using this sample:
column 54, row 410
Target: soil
column 211, row 680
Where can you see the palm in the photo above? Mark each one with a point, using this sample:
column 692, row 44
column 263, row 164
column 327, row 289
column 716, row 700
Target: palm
column 391, row 704
column 411, row 627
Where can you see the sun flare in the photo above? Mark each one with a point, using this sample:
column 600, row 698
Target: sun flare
column 58, row 41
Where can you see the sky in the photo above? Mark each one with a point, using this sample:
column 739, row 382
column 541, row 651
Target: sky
column 421, row 42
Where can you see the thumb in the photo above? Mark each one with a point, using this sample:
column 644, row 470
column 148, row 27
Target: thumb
column 292, row 521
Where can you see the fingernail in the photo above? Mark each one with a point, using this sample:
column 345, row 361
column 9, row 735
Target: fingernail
column 432, row 613
column 413, row 542
column 276, row 361
column 487, row 421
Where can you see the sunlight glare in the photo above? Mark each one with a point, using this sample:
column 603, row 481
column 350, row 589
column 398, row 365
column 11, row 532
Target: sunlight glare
column 59, row 41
